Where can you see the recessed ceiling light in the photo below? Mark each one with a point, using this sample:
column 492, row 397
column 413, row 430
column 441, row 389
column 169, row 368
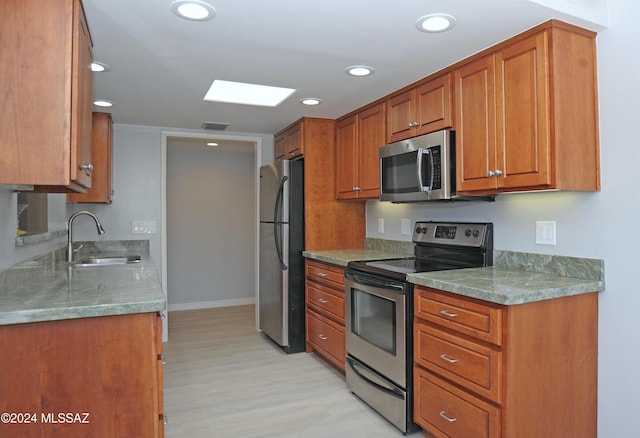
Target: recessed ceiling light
column 247, row 94
column 212, row 144
column 311, row 101
column 196, row 10
column 435, row 23
column 359, row 70
column 99, row 66
column 102, row 102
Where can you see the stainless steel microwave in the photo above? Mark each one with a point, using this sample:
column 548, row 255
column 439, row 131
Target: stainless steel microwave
column 419, row 169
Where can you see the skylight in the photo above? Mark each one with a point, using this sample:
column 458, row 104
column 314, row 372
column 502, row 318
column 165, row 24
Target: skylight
column 247, row 94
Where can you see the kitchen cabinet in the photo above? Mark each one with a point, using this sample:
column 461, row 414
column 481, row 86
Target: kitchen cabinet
column 358, row 138
column 289, row 142
column 104, row 370
column 101, row 152
column 526, row 114
column 328, row 222
column 489, row 370
column 46, row 84
column 325, row 319
column 422, row 109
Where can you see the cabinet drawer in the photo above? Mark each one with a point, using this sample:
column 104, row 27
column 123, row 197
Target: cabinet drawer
column 325, row 301
column 326, row 337
column 482, row 321
column 446, row 411
column 325, row 273
column 474, row 366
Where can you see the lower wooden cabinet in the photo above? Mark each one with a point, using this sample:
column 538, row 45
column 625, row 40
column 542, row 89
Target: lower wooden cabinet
column 97, row 377
column 487, row 370
column 325, row 312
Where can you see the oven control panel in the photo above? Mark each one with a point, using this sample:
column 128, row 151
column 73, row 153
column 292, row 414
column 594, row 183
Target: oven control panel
column 452, row 233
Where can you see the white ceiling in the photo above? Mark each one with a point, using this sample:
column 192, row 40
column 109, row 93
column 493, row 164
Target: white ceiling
column 162, row 66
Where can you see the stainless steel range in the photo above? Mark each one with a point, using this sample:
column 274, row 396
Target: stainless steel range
column 379, row 313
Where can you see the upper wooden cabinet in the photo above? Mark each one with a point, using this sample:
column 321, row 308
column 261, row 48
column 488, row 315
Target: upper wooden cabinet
column 46, row 84
column 288, row 143
column 420, row 110
column 526, row 114
column 328, row 223
column 358, row 138
column 101, row 153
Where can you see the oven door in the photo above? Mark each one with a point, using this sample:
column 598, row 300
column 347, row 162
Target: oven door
column 376, row 323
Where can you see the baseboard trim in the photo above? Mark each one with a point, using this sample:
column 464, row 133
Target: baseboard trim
column 211, row 304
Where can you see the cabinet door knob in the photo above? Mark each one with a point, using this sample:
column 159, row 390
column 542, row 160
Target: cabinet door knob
column 446, row 359
column 448, row 314
column 449, row 419
column 87, row 167
column 490, row 173
column 498, row 172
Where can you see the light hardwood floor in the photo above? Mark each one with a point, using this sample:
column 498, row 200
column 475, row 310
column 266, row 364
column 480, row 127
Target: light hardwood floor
column 225, row 380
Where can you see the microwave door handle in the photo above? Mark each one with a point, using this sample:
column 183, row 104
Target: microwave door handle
column 431, row 170
column 421, row 151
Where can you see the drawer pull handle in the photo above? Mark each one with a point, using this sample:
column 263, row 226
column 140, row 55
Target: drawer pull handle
column 449, row 314
column 321, row 274
column 446, row 359
column 323, row 337
column 322, row 300
column 449, row 419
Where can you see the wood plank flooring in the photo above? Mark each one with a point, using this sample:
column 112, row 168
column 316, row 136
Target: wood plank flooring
column 225, row 380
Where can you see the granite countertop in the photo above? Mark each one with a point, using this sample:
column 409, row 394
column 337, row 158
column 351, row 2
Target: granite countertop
column 47, row 288
column 515, row 278
column 341, row 257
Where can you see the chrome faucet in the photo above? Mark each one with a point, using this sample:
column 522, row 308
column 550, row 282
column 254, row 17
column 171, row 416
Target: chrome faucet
column 70, row 249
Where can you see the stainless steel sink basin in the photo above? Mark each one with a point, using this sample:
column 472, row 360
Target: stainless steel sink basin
column 109, row 260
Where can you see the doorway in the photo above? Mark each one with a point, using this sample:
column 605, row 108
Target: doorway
column 209, row 208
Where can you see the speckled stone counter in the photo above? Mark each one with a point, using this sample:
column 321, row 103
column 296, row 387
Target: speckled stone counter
column 47, row 288
column 515, row 278
column 518, row 278
column 375, row 249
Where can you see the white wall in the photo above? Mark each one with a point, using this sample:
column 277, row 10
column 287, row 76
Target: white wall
column 211, row 215
column 602, row 225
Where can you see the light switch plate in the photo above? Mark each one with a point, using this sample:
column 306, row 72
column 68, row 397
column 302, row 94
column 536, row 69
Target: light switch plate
column 545, row 232
column 380, row 225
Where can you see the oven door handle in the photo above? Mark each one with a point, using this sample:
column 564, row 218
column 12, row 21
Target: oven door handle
column 369, row 281
column 374, row 380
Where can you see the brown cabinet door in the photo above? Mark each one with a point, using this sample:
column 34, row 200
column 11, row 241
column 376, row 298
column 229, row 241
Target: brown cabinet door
column 293, row 141
column 434, row 105
column 476, row 125
column 523, row 136
column 101, row 156
column 371, row 135
column 279, row 148
column 347, row 158
column 401, row 116
column 81, row 164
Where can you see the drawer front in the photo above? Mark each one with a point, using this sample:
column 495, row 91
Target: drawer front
column 446, row 411
column 326, row 337
column 474, row 366
column 325, row 273
column 466, row 316
column 325, row 301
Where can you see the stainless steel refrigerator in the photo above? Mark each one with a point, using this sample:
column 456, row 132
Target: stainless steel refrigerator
column 281, row 296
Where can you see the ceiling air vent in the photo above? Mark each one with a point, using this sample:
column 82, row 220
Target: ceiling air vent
column 215, row 126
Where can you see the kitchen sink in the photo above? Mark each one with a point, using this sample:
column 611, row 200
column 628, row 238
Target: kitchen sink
column 108, row 260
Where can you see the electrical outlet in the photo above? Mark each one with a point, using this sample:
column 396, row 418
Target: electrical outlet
column 545, row 232
column 143, row 227
column 380, row 225
column 405, row 227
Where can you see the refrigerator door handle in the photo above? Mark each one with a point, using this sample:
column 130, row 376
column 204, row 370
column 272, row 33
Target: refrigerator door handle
column 277, row 224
